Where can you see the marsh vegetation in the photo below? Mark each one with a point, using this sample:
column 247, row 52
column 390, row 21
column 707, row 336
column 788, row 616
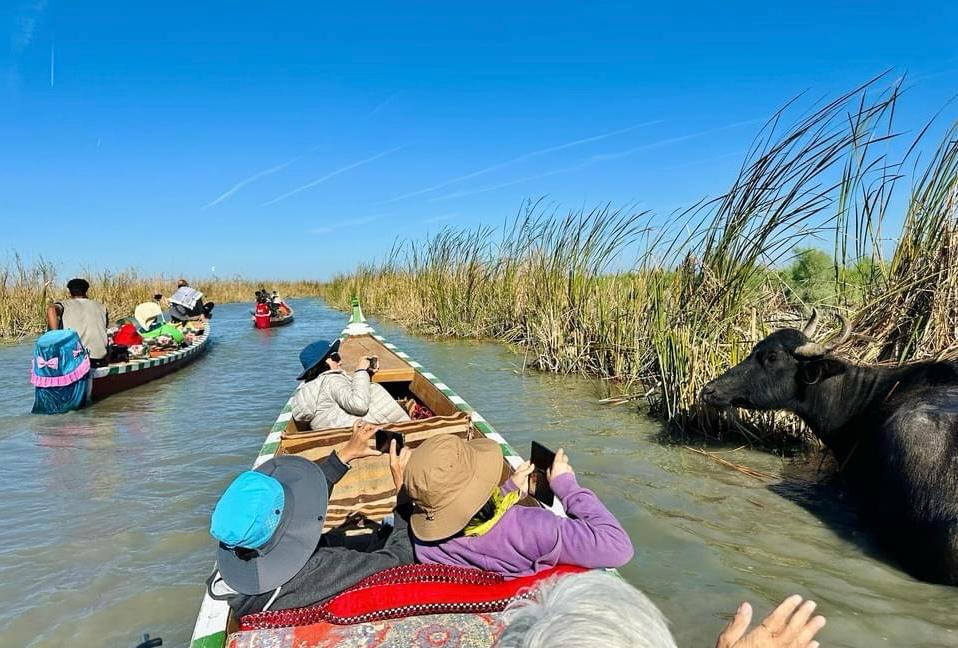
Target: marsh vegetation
column 663, row 304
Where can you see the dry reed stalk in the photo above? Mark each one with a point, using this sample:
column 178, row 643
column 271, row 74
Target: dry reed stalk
column 745, row 470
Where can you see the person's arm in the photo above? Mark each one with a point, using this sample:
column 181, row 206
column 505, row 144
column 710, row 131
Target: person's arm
column 54, row 313
column 303, row 399
column 590, row 536
column 353, row 395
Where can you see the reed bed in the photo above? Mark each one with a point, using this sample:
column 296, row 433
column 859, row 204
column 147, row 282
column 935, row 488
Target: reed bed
column 27, row 289
column 660, row 306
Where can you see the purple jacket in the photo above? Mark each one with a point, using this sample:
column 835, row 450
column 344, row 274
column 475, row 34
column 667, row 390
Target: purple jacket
column 528, row 540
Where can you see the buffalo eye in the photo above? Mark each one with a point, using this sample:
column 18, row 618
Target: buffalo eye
column 771, row 357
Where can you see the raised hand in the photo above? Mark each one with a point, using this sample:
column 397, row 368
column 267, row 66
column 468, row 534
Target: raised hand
column 397, row 462
column 358, row 444
column 790, row 625
column 560, row 466
column 520, row 476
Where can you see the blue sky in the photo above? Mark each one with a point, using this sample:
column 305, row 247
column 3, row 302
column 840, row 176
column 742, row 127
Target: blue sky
column 284, row 140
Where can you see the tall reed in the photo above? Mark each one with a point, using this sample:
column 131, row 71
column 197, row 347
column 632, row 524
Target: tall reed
column 662, row 306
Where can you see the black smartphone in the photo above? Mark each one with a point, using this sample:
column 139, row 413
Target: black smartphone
column 373, row 362
column 541, row 458
column 383, row 437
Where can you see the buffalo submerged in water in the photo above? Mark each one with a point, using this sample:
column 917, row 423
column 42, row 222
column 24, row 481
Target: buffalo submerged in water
column 893, row 429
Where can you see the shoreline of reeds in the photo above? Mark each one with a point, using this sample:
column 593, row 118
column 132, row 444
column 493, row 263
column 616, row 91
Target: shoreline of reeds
column 27, row 289
column 664, row 305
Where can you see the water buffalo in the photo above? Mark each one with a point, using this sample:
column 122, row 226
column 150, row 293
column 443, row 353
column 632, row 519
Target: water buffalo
column 893, row 430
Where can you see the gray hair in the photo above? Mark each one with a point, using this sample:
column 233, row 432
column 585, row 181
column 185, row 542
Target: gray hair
column 593, row 608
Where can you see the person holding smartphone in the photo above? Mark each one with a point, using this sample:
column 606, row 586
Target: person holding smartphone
column 463, row 516
column 332, row 398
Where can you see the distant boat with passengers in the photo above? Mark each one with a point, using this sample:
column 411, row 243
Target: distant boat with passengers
column 134, row 351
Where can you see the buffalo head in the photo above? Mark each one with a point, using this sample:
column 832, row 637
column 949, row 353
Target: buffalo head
column 778, row 371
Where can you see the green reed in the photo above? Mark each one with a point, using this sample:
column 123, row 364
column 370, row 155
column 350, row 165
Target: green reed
column 663, row 305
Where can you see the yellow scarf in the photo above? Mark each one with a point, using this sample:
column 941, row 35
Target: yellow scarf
column 503, row 503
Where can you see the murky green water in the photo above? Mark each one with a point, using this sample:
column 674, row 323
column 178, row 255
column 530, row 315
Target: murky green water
column 104, row 512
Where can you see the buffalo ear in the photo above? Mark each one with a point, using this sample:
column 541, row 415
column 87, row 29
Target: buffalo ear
column 819, row 369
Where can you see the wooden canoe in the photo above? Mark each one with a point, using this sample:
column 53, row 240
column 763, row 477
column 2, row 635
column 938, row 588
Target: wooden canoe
column 368, row 486
column 281, row 320
column 115, row 378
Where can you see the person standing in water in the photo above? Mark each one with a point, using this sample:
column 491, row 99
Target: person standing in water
column 86, row 316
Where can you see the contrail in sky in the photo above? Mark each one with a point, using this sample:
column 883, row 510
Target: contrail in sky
column 53, row 46
column 524, row 156
column 382, row 104
column 538, row 176
column 332, row 174
column 601, row 157
column 253, row 178
column 353, row 222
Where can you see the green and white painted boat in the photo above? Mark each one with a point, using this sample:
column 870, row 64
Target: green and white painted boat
column 368, row 481
column 118, row 377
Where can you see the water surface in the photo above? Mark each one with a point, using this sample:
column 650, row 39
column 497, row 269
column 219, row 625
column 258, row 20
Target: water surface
column 105, row 511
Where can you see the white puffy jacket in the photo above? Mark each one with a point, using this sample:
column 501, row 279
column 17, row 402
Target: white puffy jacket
column 334, row 399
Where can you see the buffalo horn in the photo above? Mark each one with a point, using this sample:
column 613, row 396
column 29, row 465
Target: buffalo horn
column 812, row 324
column 809, row 350
column 843, row 337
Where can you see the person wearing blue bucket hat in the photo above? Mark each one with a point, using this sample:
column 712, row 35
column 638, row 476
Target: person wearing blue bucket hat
column 272, row 552
column 332, row 398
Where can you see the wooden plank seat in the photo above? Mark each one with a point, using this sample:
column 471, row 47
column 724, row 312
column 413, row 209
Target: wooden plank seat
column 392, row 368
column 368, row 487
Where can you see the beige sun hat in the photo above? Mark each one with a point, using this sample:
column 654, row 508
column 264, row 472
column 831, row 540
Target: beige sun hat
column 146, row 313
column 449, row 480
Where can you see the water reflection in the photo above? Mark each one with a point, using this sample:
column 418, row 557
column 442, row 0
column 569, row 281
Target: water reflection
column 106, row 510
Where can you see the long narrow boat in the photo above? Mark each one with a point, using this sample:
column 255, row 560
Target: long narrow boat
column 279, row 320
column 368, row 489
column 115, row 378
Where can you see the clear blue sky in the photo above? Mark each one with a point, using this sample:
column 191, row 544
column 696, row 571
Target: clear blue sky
column 275, row 140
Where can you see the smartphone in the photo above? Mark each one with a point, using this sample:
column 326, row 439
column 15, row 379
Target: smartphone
column 541, row 458
column 383, row 437
column 373, row 362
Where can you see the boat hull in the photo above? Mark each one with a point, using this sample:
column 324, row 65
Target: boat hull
column 371, row 482
column 273, row 322
column 117, row 378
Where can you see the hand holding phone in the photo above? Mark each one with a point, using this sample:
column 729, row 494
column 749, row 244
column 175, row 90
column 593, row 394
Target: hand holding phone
column 521, row 476
column 560, row 465
column 373, row 362
column 383, row 437
column 542, row 459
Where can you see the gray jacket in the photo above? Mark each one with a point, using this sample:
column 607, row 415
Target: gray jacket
column 334, row 399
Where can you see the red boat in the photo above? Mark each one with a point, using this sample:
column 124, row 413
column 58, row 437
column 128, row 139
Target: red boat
column 263, row 320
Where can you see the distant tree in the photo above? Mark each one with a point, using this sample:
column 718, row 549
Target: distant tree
column 811, row 276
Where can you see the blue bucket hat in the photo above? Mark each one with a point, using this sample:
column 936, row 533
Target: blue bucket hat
column 314, row 354
column 268, row 523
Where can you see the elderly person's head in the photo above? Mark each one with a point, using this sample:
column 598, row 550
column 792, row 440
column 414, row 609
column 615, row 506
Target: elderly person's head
column 593, row 608
column 182, row 283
